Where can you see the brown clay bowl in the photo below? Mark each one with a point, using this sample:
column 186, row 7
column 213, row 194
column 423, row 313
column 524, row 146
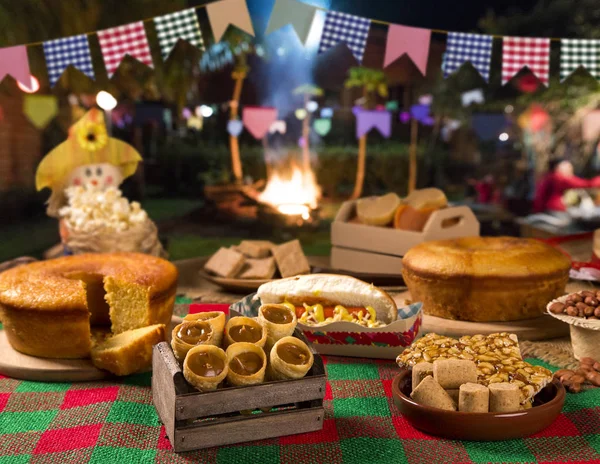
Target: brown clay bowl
column 479, row 426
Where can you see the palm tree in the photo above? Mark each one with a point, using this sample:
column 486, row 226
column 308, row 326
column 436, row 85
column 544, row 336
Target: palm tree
column 307, row 91
column 372, row 82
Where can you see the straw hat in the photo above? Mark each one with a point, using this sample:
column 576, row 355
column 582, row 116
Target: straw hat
column 87, row 143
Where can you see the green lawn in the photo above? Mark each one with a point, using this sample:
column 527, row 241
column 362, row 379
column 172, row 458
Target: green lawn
column 191, row 246
column 28, row 238
column 161, row 209
column 35, row 236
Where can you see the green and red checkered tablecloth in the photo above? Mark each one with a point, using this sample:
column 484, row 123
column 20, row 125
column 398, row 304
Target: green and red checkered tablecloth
column 114, row 422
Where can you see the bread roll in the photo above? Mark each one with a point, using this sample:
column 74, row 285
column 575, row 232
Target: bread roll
column 429, row 198
column 377, row 211
column 329, row 289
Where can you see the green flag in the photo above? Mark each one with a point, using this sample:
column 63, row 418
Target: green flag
column 322, row 126
column 299, row 15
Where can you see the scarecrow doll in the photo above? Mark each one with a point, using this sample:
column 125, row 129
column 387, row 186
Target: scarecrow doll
column 84, row 174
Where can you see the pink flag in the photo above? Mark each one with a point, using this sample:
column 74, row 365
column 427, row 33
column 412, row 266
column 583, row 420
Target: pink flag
column 258, row 119
column 14, row 62
column 413, row 41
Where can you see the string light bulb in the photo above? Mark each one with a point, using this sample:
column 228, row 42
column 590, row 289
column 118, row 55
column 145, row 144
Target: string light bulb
column 106, row 101
column 34, row 87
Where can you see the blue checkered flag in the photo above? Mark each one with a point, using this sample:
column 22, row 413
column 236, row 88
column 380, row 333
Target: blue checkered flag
column 179, row 25
column 474, row 48
column 346, row 28
column 61, row 53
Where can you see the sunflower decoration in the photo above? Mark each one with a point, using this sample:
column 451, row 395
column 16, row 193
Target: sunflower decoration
column 88, row 143
column 92, row 136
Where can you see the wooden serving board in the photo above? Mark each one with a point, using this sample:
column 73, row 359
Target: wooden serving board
column 540, row 328
column 21, row 366
column 193, row 277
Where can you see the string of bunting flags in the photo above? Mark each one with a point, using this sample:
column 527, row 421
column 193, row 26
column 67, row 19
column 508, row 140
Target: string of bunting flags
column 338, row 28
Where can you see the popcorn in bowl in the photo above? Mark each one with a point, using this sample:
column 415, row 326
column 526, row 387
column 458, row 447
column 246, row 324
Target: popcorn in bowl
column 91, row 210
column 104, row 221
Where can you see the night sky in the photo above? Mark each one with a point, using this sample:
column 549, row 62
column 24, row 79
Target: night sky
column 460, row 15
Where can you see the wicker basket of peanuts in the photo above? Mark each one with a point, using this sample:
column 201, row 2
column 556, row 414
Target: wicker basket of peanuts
column 581, row 310
column 468, row 388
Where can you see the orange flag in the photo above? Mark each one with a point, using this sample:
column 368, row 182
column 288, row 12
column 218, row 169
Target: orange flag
column 222, row 14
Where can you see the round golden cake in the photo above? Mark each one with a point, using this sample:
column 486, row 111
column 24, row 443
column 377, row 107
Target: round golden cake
column 47, row 307
column 485, row 279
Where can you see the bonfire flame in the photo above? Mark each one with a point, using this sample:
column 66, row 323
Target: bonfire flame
column 293, row 193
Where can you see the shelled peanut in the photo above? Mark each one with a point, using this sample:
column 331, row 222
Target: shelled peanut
column 584, row 304
column 573, row 380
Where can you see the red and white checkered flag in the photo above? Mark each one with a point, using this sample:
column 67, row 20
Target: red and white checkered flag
column 518, row 52
column 117, row 42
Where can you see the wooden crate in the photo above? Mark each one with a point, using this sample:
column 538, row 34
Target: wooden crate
column 446, row 223
column 195, row 420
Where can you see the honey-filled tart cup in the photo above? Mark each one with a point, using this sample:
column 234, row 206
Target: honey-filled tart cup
column 279, row 320
column 246, row 364
column 290, row 358
column 216, row 319
column 245, row 329
column 205, row 367
column 189, row 334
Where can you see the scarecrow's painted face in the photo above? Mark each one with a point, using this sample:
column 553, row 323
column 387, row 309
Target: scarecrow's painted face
column 96, row 176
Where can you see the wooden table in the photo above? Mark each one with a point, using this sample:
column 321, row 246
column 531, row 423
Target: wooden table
column 193, row 286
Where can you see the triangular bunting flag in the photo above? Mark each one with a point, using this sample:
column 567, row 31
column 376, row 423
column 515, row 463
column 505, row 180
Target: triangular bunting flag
column 579, row 52
column 14, row 62
column 367, row 120
column 413, row 41
column 40, row 109
column 117, row 42
column 222, row 14
column 258, row 119
column 322, row 126
column 346, row 28
column 179, row 25
column 420, row 112
column 299, row 15
column 518, row 52
column 61, row 53
column 473, row 48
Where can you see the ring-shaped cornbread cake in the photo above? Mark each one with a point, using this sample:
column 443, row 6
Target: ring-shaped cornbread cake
column 485, row 279
column 47, row 306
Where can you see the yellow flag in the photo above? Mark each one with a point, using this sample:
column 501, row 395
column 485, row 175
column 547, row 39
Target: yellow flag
column 40, row 109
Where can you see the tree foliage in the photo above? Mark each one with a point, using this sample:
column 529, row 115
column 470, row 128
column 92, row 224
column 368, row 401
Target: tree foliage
column 308, row 89
column 548, row 18
column 371, row 81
